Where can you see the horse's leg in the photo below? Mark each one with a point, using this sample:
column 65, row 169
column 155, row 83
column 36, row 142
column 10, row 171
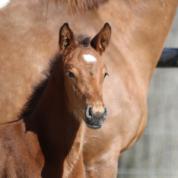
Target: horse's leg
column 73, row 164
column 105, row 166
column 79, row 169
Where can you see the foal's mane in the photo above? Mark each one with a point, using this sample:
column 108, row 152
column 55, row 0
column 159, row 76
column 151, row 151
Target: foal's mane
column 33, row 100
column 38, row 90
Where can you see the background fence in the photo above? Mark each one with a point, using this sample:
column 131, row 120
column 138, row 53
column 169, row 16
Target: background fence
column 155, row 155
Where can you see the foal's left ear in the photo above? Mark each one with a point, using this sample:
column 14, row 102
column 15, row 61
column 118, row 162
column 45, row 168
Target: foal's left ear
column 101, row 40
column 66, row 37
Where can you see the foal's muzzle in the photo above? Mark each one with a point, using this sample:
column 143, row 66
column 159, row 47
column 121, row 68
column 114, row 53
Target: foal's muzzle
column 95, row 118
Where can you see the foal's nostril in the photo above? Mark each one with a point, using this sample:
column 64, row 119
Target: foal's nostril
column 105, row 111
column 89, row 112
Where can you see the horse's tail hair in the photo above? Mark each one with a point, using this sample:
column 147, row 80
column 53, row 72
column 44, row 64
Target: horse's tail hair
column 81, row 5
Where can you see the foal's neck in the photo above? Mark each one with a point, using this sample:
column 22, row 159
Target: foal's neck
column 59, row 133
column 57, row 128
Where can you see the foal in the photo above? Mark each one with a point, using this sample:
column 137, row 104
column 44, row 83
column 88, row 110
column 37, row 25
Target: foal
column 48, row 141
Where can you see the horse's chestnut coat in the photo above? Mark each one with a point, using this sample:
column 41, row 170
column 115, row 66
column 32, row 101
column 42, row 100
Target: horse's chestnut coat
column 52, row 139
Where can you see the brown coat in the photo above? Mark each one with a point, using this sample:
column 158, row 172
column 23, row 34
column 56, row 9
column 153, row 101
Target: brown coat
column 27, row 44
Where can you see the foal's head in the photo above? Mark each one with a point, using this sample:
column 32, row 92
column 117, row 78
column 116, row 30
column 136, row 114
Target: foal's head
column 84, row 74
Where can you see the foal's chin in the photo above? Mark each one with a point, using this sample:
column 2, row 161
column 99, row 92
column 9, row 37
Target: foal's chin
column 94, row 126
column 94, row 123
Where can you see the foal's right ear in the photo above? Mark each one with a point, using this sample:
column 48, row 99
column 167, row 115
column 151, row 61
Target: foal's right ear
column 66, row 37
column 101, row 40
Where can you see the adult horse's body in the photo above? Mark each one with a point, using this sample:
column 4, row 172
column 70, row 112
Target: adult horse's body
column 139, row 31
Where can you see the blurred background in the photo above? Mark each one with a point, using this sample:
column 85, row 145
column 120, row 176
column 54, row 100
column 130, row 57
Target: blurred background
column 155, row 155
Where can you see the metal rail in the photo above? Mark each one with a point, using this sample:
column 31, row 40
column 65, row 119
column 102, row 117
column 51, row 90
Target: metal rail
column 169, row 58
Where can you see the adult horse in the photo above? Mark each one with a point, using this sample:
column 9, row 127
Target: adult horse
column 139, row 31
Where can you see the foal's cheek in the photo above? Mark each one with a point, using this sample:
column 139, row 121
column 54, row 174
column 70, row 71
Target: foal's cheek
column 68, row 88
column 76, row 92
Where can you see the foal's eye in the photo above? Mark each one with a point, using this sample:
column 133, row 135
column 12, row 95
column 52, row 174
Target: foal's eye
column 106, row 74
column 70, row 74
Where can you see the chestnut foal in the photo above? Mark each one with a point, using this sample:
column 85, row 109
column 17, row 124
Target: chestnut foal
column 48, row 142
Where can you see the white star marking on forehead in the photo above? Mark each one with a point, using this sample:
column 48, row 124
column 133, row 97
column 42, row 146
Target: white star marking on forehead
column 4, row 3
column 89, row 58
